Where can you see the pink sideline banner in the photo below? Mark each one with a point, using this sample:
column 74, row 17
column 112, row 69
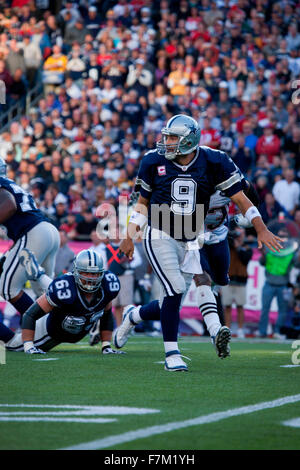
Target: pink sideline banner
column 256, row 278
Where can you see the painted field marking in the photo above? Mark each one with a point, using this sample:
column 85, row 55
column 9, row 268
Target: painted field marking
column 294, row 423
column 174, row 426
column 47, row 359
column 74, row 413
column 289, row 366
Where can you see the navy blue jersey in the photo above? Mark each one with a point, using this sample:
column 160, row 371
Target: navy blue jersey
column 183, row 189
column 27, row 214
column 72, row 316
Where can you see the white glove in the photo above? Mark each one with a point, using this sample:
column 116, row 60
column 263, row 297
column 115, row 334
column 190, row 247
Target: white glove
column 241, row 221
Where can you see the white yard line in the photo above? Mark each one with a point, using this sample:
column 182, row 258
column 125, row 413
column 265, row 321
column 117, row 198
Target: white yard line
column 174, row 426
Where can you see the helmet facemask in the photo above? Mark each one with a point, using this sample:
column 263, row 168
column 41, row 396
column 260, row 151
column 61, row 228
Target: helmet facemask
column 89, row 283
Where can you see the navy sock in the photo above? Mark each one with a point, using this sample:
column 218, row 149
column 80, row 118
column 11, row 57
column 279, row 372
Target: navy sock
column 150, row 311
column 23, row 303
column 5, row 333
column 169, row 316
column 220, row 309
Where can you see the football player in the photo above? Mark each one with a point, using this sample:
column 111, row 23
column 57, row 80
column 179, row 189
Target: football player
column 215, row 253
column 26, row 225
column 181, row 175
column 70, row 307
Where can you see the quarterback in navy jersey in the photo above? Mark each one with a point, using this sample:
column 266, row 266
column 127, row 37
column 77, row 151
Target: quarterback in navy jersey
column 182, row 176
column 70, row 307
column 27, row 227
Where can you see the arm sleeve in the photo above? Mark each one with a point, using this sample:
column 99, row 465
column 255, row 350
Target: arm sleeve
column 107, row 321
column 251, row 193
column 32, row 314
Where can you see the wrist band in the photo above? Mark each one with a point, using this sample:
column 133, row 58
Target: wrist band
column 138, row 219
column 251, row 213
column 28, row 345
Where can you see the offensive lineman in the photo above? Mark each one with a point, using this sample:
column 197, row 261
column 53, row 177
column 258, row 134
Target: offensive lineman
column 72, row 304
column 26, row 225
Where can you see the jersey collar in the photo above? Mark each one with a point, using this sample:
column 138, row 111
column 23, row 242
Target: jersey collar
column 186, row 167
column 92, row 305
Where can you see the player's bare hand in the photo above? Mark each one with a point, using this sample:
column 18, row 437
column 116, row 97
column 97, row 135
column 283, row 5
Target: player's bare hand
column 271, row 241
column 127, row 248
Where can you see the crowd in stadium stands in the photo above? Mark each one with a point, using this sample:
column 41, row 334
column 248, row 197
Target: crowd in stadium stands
column 115, row 71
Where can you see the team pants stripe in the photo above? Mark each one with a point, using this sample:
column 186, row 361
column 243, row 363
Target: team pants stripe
column 9, row 274
column 155, row 264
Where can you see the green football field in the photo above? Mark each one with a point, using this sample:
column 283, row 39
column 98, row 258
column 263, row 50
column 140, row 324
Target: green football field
column 76, row 398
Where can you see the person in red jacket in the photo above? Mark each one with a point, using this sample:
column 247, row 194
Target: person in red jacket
column 268, row 144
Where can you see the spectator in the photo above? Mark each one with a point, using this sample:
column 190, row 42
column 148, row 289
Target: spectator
column 55, row 67
column 18, row 87
column 139, row 78
column 75, row 33
column 132, row 110
column 209, row 136
column 86, row 226
column 269, row 143
column 287, row 191
column 69, row 226
column 235, row 292
column 270, row 208
column 277, row 271
column 64, row 256
column 32, row 57
column 5, row 76
column 178, row 80
column 15, row 59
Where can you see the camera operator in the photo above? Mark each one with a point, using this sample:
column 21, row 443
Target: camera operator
column 235, row 291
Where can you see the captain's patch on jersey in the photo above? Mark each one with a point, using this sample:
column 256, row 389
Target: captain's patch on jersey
column 161, row 170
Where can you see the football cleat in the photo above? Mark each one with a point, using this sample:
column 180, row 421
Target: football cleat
column 109, row 350
column 221, row 342
column 29, row 262
column 174, row 362
column 121, row 334
column 94, row 334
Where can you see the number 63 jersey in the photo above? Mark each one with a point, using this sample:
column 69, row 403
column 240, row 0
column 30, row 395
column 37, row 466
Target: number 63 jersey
column 72, row 316
column 179, row 195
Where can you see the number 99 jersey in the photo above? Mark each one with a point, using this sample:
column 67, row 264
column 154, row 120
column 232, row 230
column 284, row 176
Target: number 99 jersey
column 72, row 316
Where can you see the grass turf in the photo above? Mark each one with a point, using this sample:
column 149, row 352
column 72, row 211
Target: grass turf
column 80, row 375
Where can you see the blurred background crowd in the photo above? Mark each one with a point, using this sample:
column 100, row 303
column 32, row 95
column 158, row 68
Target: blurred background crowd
column 114, row 72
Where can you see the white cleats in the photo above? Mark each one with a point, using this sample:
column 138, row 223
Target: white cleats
column 121, row 334
column 174, row 362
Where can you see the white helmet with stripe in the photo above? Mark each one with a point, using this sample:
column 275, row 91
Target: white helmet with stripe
column 188, row 132
column 88, row 270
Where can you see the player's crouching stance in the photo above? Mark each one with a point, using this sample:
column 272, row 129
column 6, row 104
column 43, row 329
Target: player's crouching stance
column 70, row 307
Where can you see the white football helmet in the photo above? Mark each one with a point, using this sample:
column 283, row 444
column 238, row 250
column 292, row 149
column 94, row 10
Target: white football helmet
column 88, row 270
column 188, row 132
